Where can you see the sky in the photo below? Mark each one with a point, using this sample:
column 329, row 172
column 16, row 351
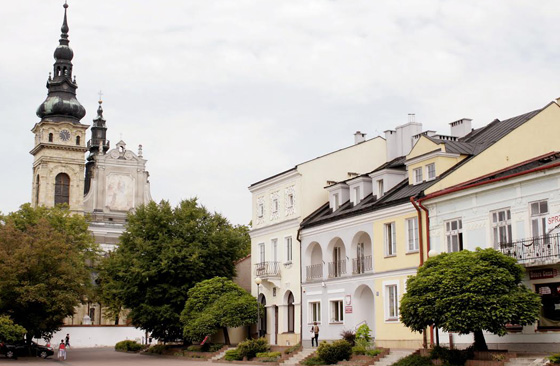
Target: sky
column 224, row 93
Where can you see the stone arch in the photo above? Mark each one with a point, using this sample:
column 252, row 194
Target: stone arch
column 361, row 253
column 315, row 260
column 289, row 300
column 337, row 257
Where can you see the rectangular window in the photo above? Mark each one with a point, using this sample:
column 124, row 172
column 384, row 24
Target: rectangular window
column 261, row 253
column 501, row 227
column 260, row 210
column 275, row 205
column 392, row 302
column 380, row 188
column 417, row 175
column 288, row 240
column 412, row 234
column 390, row 239
column 337, row 311
column 454, row 235
column 431, row 171
column 290, row 202
column 539, row 210
column 274, row 247
column 315, row 312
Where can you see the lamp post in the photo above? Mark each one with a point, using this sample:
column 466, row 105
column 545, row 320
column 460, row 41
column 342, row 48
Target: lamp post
column 258, row 281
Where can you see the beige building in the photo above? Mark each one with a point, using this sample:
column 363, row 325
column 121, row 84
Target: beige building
column 279, row 205
column 107, row 187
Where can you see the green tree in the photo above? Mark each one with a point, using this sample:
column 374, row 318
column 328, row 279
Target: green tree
column 469, row 292
column 10, row 332
column 162, row 254
column 43, row 255
column 214, row 304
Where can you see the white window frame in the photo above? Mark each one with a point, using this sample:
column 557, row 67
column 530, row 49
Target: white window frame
column 357, row 197
column 275, row 205
column 311, row 312
column 336, row 203
column 538, row 219
column 412, row 240
column 498, row 226
column 380, row 188
column 417, row 173
column 274, row 249
column 390, row 239
column 260, row 210
column 290, row 200
column 262, row 253
column 336, row 303
column 451, row 233
column 388, row 304
column 289, row 247
column 431, row 168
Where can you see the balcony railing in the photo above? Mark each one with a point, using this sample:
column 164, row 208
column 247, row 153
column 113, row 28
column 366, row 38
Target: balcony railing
column 362, row 264
column 314, row 272
column 337, row 268
column 267, row 269
column 534, row 251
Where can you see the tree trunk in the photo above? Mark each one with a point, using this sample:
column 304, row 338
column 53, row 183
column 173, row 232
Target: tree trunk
column 479, row 341
column 226, row 336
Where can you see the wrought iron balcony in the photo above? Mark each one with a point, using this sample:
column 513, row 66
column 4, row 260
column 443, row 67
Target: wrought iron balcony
column 534, row 251
column 267, row 269
column 362, row 264
column 314, row 272
column 337, row 268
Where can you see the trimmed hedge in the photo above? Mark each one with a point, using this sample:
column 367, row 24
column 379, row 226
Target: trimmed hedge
column 128, row 346
column 336, row 351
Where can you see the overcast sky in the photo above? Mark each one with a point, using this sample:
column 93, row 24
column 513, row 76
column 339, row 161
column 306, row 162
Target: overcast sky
column 225, row 93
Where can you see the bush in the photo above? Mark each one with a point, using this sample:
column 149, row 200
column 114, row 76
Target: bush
column 157, row 349
column 373, row 352
column 359, row 350
column 251, row 347
column 194, row 348
column 337, row 351
column 414, row 360
column 453, row 357
column 233, row 355
column 555, row 358
column 312, row 361
column 292, row 349
column 349, row 336
column 128, row 346
column 206, row 347
column 215, row 347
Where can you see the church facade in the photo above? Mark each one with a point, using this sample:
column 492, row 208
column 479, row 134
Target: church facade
column 105, row 186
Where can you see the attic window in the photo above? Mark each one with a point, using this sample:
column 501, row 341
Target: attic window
column 380, row 189
column 417, row 175
column 336, row 203
column 431, row 171
column 357, row 197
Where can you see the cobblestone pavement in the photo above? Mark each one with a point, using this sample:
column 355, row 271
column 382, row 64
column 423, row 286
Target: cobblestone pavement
column 102, row 357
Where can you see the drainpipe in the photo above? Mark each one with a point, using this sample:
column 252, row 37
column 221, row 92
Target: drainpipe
column 428, row 246
column 300, row 287
column 421, row 245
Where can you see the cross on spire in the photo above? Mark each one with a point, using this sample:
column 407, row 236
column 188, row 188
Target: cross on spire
column 100, row 95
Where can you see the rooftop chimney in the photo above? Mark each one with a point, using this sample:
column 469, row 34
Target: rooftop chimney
column 461, row 127
column 359, row 137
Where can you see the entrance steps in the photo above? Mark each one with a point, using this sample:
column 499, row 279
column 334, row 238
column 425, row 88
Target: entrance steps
column 295, row 359
column 221, row 354
column 527, row 361
column 395, row 355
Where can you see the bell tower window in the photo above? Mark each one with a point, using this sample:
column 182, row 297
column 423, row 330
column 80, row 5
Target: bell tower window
column 77, row 140
column 51, row 137
column 62, row 189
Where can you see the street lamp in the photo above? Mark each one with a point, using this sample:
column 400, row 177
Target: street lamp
column 258, row 281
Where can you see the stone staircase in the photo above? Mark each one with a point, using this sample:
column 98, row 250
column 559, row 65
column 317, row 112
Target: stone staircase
column 221, row 354
column 527, row 361
column 294, row 360
column 395, row 355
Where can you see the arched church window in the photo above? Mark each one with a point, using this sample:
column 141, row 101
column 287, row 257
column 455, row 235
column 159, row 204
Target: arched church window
column 51, row 137
column 62, row 189
column 77, row 140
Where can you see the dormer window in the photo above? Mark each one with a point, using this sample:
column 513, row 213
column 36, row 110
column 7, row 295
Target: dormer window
column 431, row 171
column 380, row 188
column 336, row 202
column 357, row 196
column 417, row 175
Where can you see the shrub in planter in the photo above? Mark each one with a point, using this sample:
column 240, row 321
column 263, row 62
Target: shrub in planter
column 373, row 352
column 292, row 349
column 215, row 347
column 334, row 352
column 414, row 360
column 194, row 348
column 453, row 357
column 349, row 336
column 158, row 349
column 251, row 347
column 555, row 358
column 233, row 355
column 269, row 354
column 312, row 361
column 128, row 346
column 359, row 350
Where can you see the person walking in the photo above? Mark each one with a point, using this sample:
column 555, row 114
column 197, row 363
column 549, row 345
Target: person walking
column 67, row 343
column 315, row 334
column 62, row 350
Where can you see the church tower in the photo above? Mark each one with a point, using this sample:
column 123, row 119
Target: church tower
column 58, row 166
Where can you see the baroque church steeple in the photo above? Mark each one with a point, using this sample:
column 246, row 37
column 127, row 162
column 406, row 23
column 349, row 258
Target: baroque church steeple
column 61, row 103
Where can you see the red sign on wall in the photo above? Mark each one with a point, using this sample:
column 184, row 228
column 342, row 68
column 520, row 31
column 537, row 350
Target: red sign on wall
column 348, row 309
column 543, row 273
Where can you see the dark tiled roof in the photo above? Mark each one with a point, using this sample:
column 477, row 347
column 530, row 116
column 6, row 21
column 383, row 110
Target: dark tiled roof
column 472, row 144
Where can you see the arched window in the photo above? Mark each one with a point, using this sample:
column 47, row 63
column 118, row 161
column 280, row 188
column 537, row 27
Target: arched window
column 51, row 137
column 291, row 313
column 62, row 189
column 77, row 140
column 37, row 186
column 261, row 328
